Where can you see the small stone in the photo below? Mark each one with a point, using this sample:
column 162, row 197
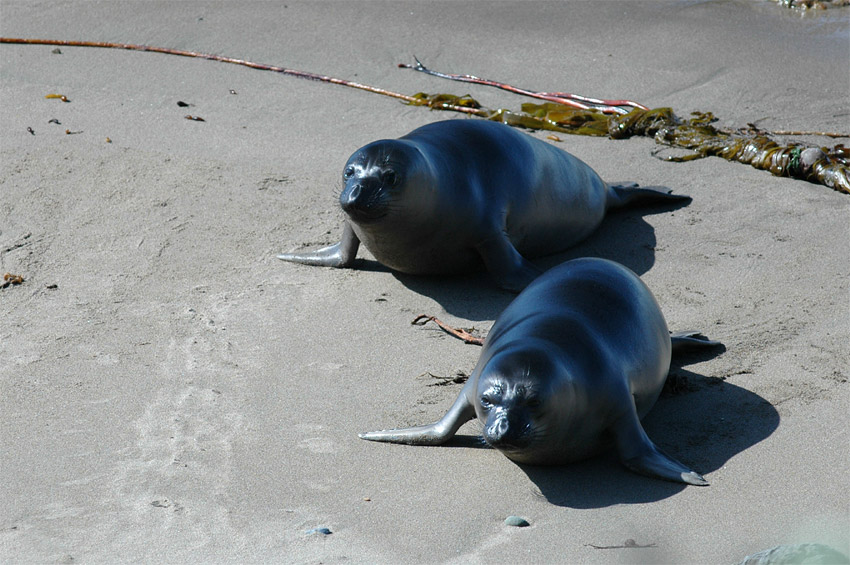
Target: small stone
column 516, row 521
column 321, row 531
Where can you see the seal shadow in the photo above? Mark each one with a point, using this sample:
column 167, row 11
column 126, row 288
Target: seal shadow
column 703, row 426
column 701, row 421
column 624, row 237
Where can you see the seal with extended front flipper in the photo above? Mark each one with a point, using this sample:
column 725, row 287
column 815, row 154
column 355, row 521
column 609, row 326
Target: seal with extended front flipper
column 568, row 369
column 461, row 195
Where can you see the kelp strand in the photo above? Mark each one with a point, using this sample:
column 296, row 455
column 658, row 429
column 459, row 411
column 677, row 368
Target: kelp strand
column 567, row 113
column 822, row 165
column 222, row 59
column 573, row 100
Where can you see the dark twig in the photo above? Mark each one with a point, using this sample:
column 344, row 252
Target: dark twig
column 459, row 333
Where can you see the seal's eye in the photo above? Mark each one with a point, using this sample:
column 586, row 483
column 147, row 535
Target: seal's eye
column 389, row 177
column 486, row 402
column 348, row 172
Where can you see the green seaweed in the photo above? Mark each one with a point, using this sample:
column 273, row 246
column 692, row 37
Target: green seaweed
column 444, row 101
column 569, row 120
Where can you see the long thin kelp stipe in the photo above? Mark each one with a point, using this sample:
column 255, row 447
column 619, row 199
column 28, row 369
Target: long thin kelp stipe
column 222, row 59
column 574, row 100
column 581, row 115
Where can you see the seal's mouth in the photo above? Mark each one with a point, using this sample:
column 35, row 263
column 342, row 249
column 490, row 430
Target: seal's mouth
column 364, row 200
column 510, row 432
column 515, row 446
column 365, row 216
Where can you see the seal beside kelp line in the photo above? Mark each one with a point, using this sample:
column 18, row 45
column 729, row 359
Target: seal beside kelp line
column 458, row 195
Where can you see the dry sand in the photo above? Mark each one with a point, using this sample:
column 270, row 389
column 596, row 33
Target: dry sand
column 183, row 396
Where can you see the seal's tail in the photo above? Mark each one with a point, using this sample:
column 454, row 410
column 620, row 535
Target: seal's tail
column 627, row 194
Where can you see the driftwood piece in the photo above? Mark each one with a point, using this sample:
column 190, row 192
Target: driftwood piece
column 459, row 333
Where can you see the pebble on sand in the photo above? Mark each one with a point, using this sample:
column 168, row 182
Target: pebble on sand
column 516, row 521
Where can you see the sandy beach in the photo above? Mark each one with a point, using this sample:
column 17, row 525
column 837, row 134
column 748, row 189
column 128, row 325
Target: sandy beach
column 170, row 392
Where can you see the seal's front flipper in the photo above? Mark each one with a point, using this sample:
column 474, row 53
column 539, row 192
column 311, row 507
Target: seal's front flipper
column 657, row 464
column 341, row 254
column 510, row 270
column 624, row 194
column 437, row 433
column 689, row 340
column 638, row 453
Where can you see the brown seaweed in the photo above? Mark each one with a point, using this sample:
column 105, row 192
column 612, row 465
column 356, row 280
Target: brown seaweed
column 752, row 146
column 822, row 165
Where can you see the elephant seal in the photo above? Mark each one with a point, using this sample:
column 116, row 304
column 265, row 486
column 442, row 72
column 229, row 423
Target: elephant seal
column 458, row 195
column 570, row 367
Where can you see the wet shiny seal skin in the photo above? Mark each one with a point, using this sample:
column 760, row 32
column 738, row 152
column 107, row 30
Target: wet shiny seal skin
column 568, row 370
column 461, row 195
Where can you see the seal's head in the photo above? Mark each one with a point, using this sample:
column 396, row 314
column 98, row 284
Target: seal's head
column 377, row 179
column 519, row 401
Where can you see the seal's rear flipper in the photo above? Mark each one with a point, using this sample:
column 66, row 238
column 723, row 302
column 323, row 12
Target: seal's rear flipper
column 437, row 433
column 626, row 194
column 341, row 254
column 638, row 453
column 509, row 269
column 689, row 340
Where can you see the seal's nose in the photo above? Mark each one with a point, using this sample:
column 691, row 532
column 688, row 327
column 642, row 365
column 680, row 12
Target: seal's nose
column 506, row 431
column 499, row 429
column 362, row 198
column 349, row 197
